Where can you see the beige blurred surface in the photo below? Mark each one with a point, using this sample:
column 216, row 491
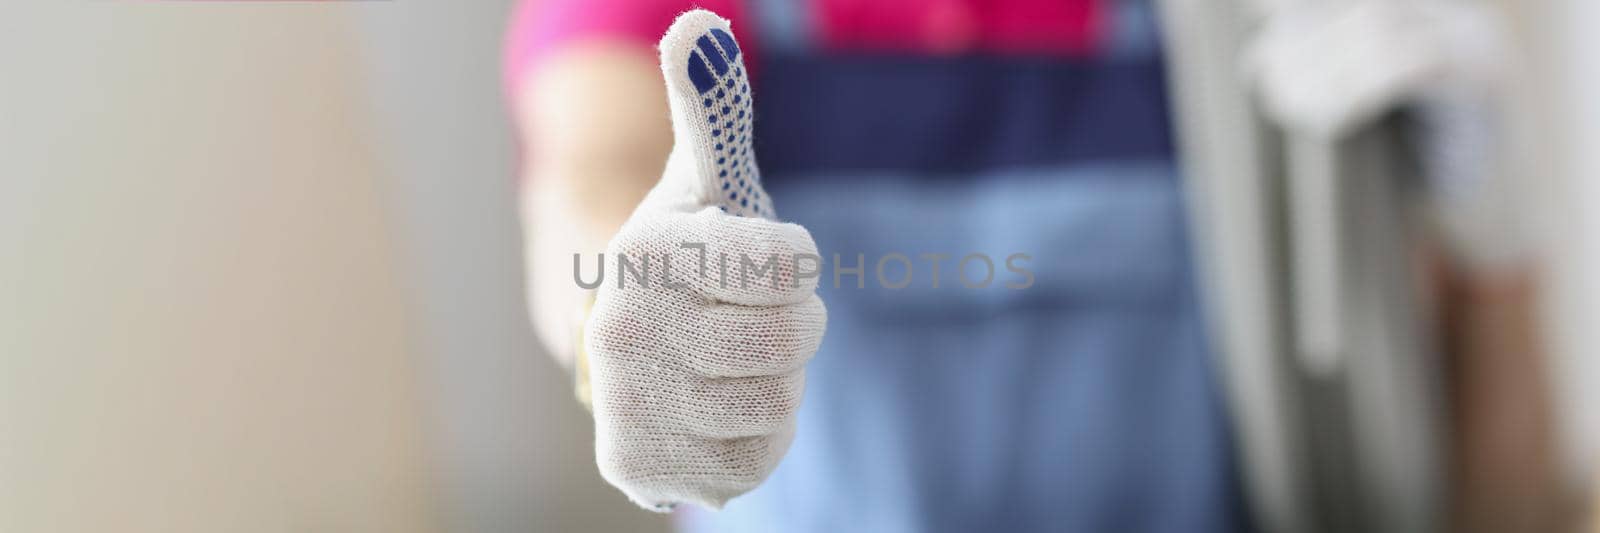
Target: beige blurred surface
column 201, row 323
column 514, row 450
column 260, row 272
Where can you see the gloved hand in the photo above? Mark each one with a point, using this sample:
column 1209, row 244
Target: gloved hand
column 697, row 372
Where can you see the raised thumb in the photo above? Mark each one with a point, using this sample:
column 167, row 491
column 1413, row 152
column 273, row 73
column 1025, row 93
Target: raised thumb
column 708, row 89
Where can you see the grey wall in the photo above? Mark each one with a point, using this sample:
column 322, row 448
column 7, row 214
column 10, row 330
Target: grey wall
column 514, row 448
column 203, row 326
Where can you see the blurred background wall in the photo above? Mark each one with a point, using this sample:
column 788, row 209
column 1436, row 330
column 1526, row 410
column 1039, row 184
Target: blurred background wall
column 514, row 448
column 1573, row 122
column 259, row 271
column 1555, row 80
column 203, row 326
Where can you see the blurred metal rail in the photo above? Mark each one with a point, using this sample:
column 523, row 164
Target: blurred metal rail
column 1306, row 253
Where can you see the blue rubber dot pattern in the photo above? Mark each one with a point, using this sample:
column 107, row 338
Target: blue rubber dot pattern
column 714, row 69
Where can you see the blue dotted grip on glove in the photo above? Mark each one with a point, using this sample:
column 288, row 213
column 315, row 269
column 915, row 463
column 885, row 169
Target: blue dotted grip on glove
column 724, row 88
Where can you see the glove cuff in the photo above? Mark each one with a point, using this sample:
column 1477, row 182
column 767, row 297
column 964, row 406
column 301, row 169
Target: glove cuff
column 580, row 360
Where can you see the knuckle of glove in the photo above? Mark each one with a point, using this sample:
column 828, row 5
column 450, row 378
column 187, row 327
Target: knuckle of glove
column 655, row 471
column 740, row 407
column 733, row 341
column 757, row 261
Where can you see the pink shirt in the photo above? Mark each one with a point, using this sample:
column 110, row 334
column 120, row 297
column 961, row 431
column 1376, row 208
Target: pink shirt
column 1027, row 27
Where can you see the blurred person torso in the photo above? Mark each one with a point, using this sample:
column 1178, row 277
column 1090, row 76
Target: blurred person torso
column 1084, row 402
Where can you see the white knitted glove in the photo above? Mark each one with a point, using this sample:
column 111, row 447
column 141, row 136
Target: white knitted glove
column 697, row 373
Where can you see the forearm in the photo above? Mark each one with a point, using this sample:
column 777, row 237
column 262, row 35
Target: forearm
column 555, row 229
column 596, row 134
